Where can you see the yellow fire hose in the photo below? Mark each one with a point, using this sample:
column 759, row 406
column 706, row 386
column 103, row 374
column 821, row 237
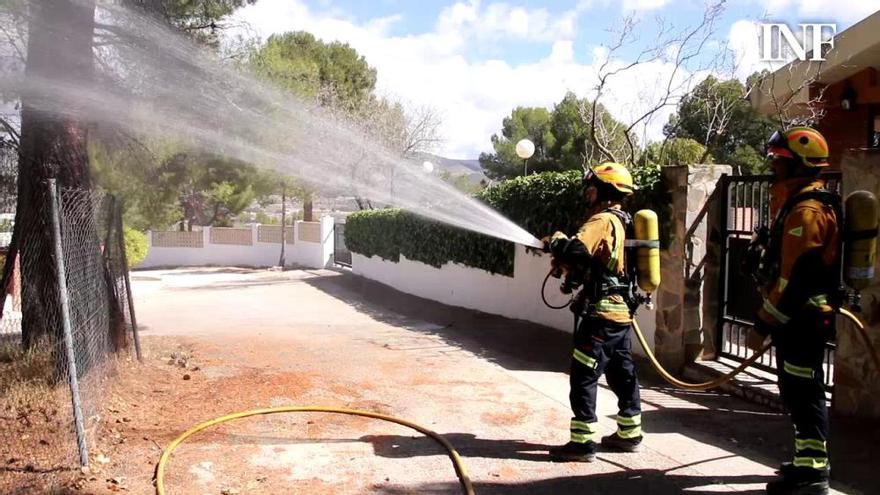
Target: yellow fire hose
column 864, row 333
column 457, row 463
column 721, row 380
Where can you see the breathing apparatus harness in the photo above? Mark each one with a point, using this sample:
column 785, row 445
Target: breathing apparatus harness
column 854, row 265
column 764, row 253
column 597, row 280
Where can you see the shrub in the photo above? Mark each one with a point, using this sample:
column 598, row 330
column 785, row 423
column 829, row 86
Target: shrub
column 389, row 233
column 135, row 246
column 540, row 203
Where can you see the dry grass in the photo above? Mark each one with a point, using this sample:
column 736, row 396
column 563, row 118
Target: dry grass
column 37, row 449
column 26, row 377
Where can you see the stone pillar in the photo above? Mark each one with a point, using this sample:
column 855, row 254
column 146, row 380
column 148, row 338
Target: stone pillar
column 680, row 329
column 856, row 378
column 702, row 257
column 669, row 337
column 711, row 271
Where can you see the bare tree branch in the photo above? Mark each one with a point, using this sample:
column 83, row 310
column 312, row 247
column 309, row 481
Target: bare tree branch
column 690, row 49
column 14, row 136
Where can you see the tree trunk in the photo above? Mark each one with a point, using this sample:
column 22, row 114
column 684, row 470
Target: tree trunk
column 60, row 36
column 308, row 216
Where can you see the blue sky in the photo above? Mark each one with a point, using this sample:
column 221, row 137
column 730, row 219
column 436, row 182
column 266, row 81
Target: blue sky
column 475, row 60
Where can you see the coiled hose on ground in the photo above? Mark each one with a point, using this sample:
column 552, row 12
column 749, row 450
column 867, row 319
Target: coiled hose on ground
column 460, row 470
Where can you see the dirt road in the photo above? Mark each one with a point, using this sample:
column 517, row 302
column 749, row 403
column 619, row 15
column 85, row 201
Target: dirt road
column 224, row 340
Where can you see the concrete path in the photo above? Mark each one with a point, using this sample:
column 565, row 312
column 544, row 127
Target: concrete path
column 495, row 388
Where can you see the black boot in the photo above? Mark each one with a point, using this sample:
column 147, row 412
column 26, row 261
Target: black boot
column 614, row 442
column 574, row 452
column 788, row 467
column 799, row 481
column 785, row 467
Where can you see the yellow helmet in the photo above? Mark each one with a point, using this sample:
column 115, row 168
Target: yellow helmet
column 803, row 144
column 613, row 174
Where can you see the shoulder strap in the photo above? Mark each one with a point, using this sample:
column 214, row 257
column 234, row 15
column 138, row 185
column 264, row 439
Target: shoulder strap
column 626, row 250
column 624, row 217
column 626, row 222
column 824, row 196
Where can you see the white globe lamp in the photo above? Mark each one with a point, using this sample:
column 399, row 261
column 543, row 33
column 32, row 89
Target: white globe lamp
column 525, row 149
column 428, row 167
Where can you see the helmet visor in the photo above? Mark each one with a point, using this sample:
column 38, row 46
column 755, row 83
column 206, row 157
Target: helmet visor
column 777, row 145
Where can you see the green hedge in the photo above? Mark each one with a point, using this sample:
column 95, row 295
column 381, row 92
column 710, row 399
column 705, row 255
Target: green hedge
column 540, row 203
column 391, row 232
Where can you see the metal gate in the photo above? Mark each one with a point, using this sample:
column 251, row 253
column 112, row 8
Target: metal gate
column 745, row 204
column 341, row 254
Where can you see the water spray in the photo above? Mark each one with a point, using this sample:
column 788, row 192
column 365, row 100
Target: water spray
column 159, row 86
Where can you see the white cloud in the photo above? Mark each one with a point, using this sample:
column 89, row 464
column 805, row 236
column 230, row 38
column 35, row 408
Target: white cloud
column 562, row 52
column 643, row 5
column 744, row 39
column 501, row 20
column 472, row 96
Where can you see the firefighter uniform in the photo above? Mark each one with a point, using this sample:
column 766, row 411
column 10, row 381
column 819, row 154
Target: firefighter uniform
column 798, row 317
column 602, row 339
column 800, row 273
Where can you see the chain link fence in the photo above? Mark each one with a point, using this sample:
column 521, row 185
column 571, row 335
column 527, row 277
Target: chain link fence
column 55, row 358
column 10, row 320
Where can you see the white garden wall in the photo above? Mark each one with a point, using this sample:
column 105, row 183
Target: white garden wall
column 516, row 297
column 312, row 251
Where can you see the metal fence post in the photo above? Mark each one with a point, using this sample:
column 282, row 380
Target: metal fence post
column 68, row 331
column 723, row 210
column 120, row 233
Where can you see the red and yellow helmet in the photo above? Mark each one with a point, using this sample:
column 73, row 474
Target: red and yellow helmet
column 803, row 144
column 613, row 174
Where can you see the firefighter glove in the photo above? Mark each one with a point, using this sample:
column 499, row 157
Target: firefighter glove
column 558, row 243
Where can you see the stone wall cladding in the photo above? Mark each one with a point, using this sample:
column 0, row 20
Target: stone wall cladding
column 856, row 378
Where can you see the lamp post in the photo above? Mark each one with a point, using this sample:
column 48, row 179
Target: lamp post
column 525, row 149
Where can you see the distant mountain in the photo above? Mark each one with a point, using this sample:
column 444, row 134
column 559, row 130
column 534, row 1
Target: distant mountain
column 471, row 168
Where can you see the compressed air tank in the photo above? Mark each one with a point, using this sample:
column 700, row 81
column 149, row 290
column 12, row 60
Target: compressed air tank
column 860, row 239
column 647, row 233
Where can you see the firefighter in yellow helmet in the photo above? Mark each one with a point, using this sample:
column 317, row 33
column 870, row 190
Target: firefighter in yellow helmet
column 594, row 259
column 798, row 274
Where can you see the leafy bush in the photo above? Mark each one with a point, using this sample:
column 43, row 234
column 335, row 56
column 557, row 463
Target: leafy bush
column 540, row 203
column 374, row 233
column 391, row 232
column 135, row 246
